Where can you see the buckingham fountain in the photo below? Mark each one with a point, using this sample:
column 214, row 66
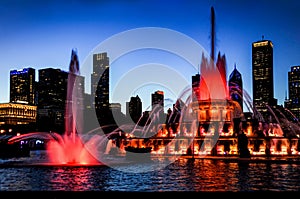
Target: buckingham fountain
column 204, row 123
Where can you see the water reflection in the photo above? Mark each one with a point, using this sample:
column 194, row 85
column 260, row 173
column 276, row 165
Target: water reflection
column 71, row 179
column 242, row 176
column 182, row 175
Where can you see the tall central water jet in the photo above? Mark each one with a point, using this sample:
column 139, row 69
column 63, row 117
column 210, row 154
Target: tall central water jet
column 213, row 82
column 74, row 99
column 71, row 149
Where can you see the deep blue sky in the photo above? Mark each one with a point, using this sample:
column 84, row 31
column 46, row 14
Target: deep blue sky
column 41, row 34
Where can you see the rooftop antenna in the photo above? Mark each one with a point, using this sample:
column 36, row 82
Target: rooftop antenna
column 262, row 37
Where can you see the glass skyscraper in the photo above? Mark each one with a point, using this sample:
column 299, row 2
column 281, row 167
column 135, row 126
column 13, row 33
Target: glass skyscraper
column 294, row 90
column 100, row 85
column 262, row 75
column 22, row 86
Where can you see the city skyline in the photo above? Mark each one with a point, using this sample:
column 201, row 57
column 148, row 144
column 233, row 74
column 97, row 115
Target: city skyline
column 47, row 41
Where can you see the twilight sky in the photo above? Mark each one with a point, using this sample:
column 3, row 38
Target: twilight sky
column 41, row 34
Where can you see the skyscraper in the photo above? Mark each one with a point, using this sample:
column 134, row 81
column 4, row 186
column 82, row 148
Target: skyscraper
column 52, row 88
column 52, row 91
column 262, row 74
column 134, row 108
column 294, row 90
column 157, row 100
column 196, row 87
column 236, row 87
column 100, row 85
column 22, row 86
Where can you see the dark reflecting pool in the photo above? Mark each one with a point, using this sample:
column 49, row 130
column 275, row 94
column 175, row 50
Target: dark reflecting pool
column 183, row 175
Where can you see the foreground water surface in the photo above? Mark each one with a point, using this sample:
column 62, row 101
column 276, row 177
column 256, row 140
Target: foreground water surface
column 183, row 175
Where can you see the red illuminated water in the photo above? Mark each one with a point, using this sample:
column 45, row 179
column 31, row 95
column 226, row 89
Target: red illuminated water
column 213, row 83
column 69, row 152
column 68, row 148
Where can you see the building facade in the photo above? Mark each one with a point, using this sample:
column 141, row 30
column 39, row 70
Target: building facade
column 52, row 90
column 134, row 109
column 100, row 85
column 196, row 87
column 262, row 74
column 294, row 91
column 19, row 117
column 235, row 84
column 22, row 86
column 157, row 100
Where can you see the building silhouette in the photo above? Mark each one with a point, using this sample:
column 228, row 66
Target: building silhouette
column 157, row 112
column 52, row 88
column 52, row 91
column 22, row 86
column 134, row 108
column 100, row 86
column 157, row 100
column 235, row 84
column 293, row 103
column 196, row 87
column 262, row 74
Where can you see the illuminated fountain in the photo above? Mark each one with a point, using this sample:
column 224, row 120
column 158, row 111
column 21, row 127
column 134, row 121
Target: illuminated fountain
column 68, row 148
column 206, row 122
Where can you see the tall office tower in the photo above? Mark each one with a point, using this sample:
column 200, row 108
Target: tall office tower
column 52, row 91
column 294, row 91
column 262, row 74
column 22, row 86
column 52, row 88
column 157, row 100
column 196, row 87
column 134, row 108
column 235, row 84
column 100, row 85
